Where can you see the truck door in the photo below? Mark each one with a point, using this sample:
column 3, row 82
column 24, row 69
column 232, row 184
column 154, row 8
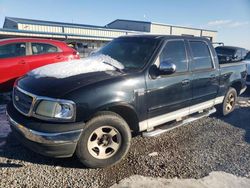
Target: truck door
column 169, row 93
column 205, row 75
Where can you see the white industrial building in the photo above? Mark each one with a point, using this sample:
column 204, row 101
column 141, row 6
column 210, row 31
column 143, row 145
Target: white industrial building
column 89, row 36
column 159, row 28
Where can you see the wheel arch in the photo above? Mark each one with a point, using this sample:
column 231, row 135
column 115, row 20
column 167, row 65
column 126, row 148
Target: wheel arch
column 237, row 85
column 126, row 111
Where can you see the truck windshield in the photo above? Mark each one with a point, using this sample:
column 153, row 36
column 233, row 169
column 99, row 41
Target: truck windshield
column 225, row 51
column 132, row 52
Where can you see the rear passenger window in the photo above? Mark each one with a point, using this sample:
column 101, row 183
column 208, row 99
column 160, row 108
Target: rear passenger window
column 12, row 50
column 175, row 52
column 201, row 55
column 42, row 48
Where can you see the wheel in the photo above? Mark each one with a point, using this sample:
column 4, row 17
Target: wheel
column 229, row 102
column 105, row 140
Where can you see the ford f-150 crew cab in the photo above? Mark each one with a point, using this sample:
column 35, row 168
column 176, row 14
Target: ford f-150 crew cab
column 134, row 84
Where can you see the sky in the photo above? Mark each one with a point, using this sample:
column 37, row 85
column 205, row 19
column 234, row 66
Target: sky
column 231, row 18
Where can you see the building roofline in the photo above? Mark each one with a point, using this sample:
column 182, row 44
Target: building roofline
column 25, row 20
column 137, row 21
column 185, row 27
column 64, row 35
column 155, row 23
column 62, row 24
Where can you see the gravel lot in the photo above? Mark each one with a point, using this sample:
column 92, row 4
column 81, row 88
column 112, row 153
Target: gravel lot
column 192, row 151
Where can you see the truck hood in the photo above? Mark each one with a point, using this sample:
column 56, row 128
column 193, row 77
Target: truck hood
column 58, row 79
column 58, row 87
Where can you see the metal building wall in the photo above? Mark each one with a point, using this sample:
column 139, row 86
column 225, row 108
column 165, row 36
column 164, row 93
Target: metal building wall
column 209, row 34
column 130, row 25
column 160, row 29
column 40, row 28
column 177, row 30
column 84, row 32
column 185, row 31
column 94, row 32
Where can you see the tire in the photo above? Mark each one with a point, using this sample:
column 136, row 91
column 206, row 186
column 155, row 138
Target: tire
column 105, row 140
column 229, row 102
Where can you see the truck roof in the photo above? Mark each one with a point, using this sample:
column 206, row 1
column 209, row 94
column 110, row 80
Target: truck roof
column 154, row 36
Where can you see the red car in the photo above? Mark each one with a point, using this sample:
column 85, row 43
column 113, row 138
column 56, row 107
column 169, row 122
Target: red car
column 20, row 55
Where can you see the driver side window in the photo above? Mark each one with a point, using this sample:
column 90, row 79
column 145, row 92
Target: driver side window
column 175, row 52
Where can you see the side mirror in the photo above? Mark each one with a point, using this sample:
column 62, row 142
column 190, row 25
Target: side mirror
column 167, row 68
column 164, row 69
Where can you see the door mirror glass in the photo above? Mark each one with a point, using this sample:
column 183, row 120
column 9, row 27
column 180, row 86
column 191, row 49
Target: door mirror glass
column 166, row 68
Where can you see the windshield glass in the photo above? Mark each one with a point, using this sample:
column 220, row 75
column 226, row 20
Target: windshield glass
column 225, row 51
column 132, row 52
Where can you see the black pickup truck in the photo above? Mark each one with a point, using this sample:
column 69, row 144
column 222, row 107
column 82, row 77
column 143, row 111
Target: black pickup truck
column 142, row 83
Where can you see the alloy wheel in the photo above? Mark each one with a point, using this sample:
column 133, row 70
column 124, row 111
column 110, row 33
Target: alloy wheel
column 230, row 102
column 104, row 142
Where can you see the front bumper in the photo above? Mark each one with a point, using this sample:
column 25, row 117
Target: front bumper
column 50, row 142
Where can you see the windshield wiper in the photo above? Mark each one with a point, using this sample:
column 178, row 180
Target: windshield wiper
column 116, row 68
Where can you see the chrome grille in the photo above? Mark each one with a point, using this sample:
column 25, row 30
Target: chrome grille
column 22, row 101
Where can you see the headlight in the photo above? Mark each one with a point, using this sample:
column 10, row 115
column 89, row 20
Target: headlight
column 56, row 109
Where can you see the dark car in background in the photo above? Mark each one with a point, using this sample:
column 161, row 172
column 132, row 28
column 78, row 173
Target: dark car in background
column 20, row 55
column 83, row 48
column 227, row 54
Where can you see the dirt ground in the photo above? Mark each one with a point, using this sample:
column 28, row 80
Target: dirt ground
column 192, row 151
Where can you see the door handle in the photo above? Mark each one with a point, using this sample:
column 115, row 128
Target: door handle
column 185, row 82
column 22, row 62
column 58, row 57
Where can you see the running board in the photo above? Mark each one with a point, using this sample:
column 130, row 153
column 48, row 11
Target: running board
column 165, row 128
